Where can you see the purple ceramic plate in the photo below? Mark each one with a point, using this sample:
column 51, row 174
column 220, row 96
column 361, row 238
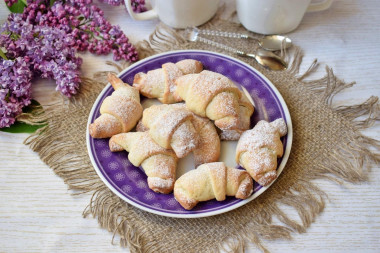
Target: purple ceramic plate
column 129, row 182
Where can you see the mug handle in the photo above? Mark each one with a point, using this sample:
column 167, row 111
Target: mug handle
column 324, row 5
column 140, row 16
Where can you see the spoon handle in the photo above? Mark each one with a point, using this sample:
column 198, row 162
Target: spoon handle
column 222, row 34
column 225, row 47
column 266, row 58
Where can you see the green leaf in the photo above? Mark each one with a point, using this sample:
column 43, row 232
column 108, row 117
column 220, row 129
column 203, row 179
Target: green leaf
column 52, row 2
column 18, row 7
column 2, row 55
column 20, row 127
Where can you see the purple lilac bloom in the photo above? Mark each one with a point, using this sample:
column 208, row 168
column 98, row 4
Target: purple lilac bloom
column 15, row 81
column 10, row 2
column 86, row 23
column 42, row 47
column 137, row 5
column 113, row 2
column 43, row 40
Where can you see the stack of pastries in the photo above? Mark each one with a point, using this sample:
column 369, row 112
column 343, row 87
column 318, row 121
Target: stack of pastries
column 199, row 109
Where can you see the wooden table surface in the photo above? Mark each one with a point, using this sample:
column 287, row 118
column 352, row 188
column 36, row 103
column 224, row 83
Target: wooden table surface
column 38, row 213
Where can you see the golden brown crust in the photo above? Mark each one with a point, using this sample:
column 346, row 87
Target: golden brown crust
column 209, row 181
column 119, row 112
column 208, row 149
column 259, row 148
column 140, row 127
column 160, row 83
column 158, row 163
column 246, row 110
column 211, row 95
column 171, row 127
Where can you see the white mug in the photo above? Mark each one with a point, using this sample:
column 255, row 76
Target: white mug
column 275, row 16
column 178, row 13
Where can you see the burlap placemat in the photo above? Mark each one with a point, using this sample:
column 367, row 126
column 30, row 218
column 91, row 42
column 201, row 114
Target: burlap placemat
column 327, row 144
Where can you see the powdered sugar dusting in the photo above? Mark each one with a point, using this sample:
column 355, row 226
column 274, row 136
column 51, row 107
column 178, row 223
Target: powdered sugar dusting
column 210, row 83
column 162, row 167
column 166, row 123
column 185, row 139
column 170, row 126
column 120, row 113
column 262, row 135
column 190, row 66
column 267, row 178
column 140, row 146
column 212, row 180
column 208, row 149
column 230, row 135
column 171, row 72
column 258, row 149
column 281, row 127
column 160, row 83
column 151, row 84
column 158, row 184
column 204, row 87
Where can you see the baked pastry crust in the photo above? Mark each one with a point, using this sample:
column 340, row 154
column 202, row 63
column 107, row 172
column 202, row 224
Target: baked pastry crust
column 258, row 149
column 119, row 112
column 212, row 95
column 158, row 163
column 160, row 83
column 208, row 149
column 170, row 126
column 246, row 110
column 209, row 181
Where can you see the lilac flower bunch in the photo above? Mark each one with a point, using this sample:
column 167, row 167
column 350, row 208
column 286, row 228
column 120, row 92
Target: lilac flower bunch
column 86, row 23
column 15, row 79
column 137, row 5
column 33, row 50
column 43, row 41
column 47, row 50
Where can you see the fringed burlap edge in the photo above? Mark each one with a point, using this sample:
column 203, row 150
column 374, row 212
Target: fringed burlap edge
column 352, row 161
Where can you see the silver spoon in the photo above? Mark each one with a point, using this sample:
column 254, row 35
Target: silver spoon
column 263, row 57
column 268, row 42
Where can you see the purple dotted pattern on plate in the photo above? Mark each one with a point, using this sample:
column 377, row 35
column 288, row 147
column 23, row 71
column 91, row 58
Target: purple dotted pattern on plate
column 131, row 182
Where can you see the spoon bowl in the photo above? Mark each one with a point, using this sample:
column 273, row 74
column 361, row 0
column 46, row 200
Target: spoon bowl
column 268, row 59
column 275, row 42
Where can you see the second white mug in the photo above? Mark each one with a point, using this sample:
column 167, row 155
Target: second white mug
column 275, row 16
column 178, row 13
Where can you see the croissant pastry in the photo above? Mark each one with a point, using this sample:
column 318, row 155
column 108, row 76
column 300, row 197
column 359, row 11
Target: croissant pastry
column 208, row 149
column 170, row 126
column 246, row 110
column 160, row 83
column 212, row 95
column 119, row 112
column 159, row 164
column 209, row 181
column 258, row 149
